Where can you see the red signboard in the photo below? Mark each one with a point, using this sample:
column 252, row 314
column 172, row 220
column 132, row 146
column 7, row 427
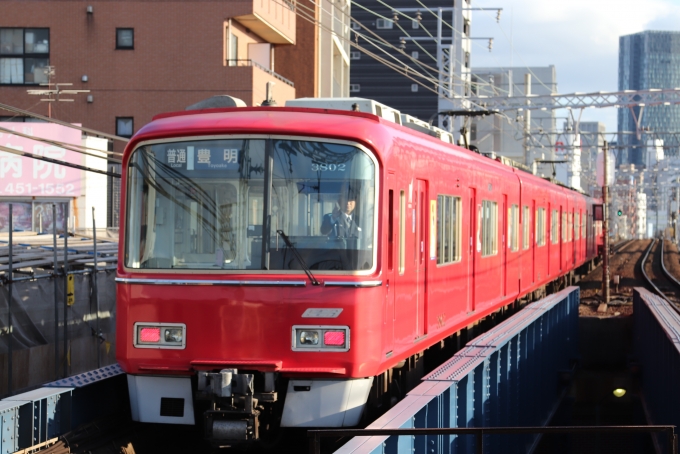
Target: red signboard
column 21, row 176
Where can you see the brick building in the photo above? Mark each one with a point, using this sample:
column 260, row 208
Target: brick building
column 140, row 58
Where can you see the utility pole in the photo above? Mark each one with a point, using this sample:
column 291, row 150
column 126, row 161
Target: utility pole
column 605, row 227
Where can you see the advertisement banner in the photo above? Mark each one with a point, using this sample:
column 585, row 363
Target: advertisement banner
column 22, row 176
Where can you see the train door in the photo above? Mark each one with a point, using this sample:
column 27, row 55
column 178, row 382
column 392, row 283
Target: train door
column 392, row 254
column 504, row 249
column 562, row 236
column 574, row 237
column 472, row 245
column 420, row 222
column 534, row 238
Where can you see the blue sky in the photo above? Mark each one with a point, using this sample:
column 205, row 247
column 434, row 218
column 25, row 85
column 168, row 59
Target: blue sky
column 579, row 37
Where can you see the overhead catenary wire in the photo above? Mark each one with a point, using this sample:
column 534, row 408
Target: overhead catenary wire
column 400, row 68
column 373, row 41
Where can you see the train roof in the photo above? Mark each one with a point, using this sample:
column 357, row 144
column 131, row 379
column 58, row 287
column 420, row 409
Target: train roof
column 359, row 126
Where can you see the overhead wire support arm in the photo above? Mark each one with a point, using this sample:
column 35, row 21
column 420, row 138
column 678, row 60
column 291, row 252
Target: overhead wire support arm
column 627, row 98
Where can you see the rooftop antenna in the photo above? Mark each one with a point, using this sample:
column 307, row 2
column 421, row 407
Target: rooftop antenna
column 56, row 91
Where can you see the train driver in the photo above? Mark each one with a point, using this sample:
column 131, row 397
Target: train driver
column 341, row 223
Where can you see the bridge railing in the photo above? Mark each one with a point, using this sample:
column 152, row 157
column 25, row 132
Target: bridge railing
column 513, row 375
column 656, row 339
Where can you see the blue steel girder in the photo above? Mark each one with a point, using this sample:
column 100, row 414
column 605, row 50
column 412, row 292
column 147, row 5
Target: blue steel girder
column 656, row 331
column 508, row 376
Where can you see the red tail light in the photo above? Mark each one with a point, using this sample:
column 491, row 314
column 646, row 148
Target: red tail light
column 150, row 335
column 334, row 338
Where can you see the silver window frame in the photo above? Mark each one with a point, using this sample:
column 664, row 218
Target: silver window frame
column 367, row 151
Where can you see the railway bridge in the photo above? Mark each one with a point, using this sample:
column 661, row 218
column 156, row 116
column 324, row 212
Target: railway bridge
column 526, row 385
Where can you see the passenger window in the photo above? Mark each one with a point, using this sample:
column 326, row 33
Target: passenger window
column 489, row 228
column 526, row 223
column 513, row 227
column 448, row 229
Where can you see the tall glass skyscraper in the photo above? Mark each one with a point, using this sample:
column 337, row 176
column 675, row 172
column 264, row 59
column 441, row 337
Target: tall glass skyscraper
column 650, row 59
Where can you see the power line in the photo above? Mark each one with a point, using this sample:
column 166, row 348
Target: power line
column 63, row 123
column 65, row 145
column 57, row 161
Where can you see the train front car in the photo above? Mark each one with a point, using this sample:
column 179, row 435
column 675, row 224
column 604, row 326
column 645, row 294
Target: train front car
column 249, row 292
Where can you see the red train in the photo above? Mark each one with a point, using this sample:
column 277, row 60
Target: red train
column 280, row 262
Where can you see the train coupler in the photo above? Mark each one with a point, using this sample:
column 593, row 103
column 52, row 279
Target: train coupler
column 234, row 413
column 229, row 427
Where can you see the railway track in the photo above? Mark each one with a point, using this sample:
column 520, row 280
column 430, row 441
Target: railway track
column 657, row 276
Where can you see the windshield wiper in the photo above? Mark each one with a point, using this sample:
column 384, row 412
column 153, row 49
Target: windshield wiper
column 298, row 257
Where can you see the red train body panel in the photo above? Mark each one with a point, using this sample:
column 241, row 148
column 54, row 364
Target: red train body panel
column 419, row 289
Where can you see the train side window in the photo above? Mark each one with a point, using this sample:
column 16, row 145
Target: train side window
column 390, row 231
column 489, row 228
column 448, row 229
column 577, row 225
column 570, row 230
column 565, row 226
column 554, row 227
column 402, row 232
column 526, row 223
column 540, row 227
column 513, row 227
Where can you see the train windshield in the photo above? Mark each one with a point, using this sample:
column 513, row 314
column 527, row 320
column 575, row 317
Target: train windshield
column 229, row 204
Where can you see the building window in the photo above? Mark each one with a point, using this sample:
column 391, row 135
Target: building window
column 233, row 50
column 124, row 126
column 384, row 24
column 489, row 228
column 415, row 24
column 354, row 88
column 526, row 222
column 125, row 38
column 356, row 25
column 415, row 54
column 414, row 87
column 24, row 55
column 355, row 55
column 448, row 229
column 467, row 59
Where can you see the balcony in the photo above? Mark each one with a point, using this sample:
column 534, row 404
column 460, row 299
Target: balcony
column 248, row 79
column 257, row 65
column 272, row 21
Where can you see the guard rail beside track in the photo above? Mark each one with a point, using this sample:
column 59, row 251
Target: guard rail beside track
column 656, row 331
column 513, row 374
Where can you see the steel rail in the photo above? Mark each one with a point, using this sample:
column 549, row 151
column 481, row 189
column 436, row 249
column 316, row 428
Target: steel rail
column 665, row 271
column 649, row 280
